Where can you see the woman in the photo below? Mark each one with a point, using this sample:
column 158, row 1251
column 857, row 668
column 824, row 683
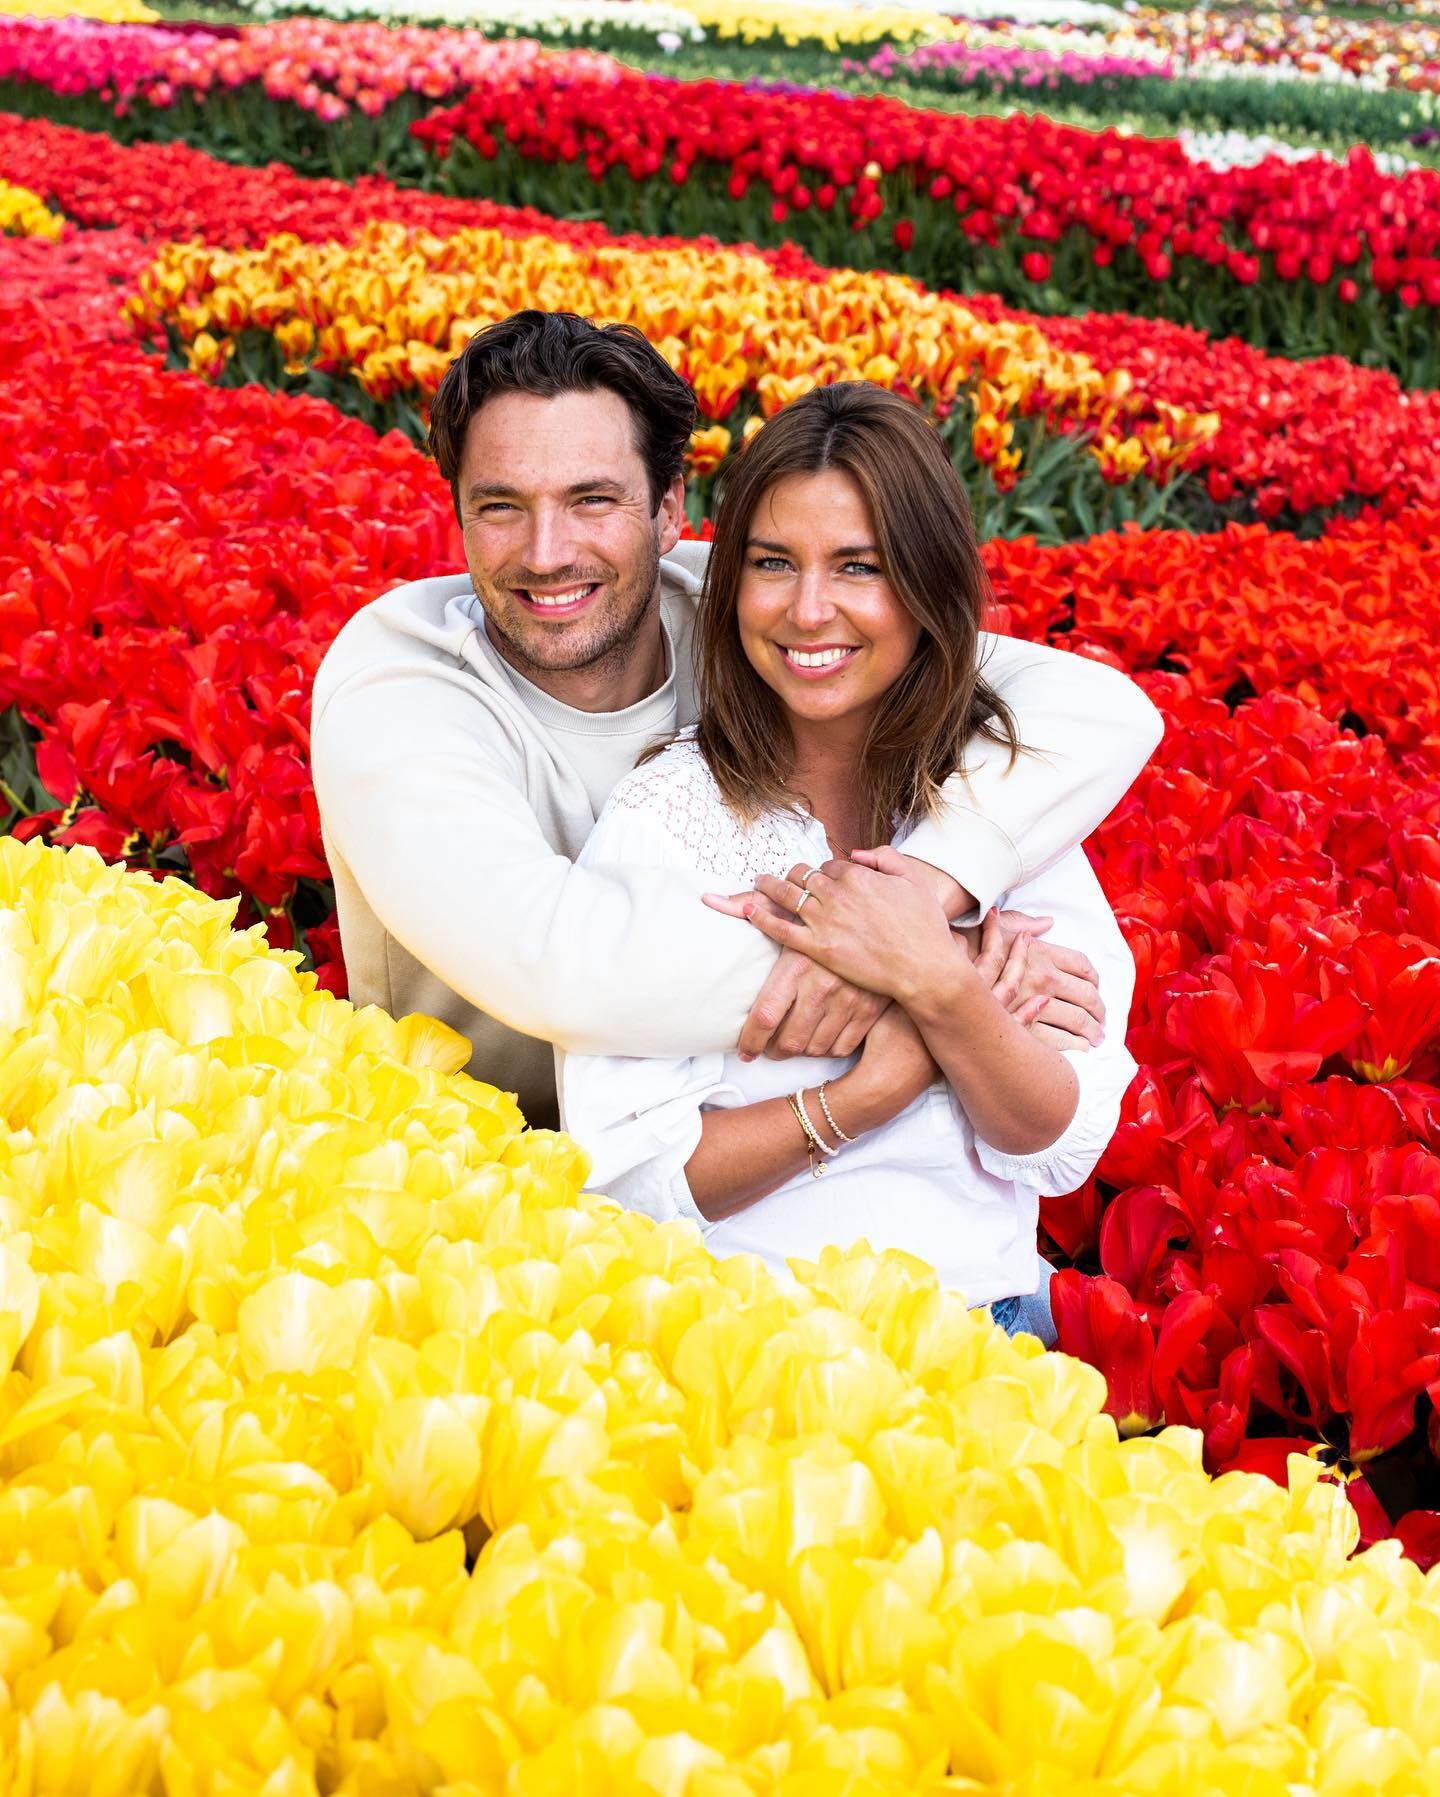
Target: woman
column 838, row 686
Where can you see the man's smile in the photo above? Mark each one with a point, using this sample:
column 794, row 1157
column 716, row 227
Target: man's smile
column 561, row 602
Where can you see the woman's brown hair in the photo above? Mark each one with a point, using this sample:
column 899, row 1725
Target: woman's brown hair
column 929, row 556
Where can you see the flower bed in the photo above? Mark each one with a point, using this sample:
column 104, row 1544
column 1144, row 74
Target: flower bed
column 1295, row 438
column 1301, row 258
column 162, row 639
column 300, row 1325
column 345, row 1446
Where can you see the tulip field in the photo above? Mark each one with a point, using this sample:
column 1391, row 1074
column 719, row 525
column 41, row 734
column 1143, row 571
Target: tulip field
column 348, row 1444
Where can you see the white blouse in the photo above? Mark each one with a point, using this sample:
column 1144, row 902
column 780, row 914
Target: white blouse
column 924, row 1182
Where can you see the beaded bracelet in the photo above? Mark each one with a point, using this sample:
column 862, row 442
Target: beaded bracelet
column 835, row 1129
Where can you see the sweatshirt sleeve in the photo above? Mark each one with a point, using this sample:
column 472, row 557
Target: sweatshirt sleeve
column 1092, row 730
column 1071, row 894
column 434, row 823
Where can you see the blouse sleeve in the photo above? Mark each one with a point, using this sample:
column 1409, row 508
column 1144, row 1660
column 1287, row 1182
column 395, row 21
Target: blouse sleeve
column 1070, row 893
column 640, row 1118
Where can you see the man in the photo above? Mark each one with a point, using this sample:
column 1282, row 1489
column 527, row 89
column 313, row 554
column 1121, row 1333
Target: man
column 468, row 728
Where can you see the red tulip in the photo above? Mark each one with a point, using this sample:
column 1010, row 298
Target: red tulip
column 1095, row 1319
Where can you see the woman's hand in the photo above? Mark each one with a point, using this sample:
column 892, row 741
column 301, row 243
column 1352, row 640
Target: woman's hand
column 869, row 921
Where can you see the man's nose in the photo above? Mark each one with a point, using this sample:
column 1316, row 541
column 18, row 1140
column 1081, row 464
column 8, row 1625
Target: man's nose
column 550, row 540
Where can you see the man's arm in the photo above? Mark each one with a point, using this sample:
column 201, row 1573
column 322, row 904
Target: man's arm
column 1093, row 730
column 433, row 823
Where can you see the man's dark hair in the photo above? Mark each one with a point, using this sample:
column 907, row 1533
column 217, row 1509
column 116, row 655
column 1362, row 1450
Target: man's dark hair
column 549, row 353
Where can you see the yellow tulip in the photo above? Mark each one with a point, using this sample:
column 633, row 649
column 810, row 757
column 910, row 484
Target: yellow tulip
column 23, row 213
column 425, row 1456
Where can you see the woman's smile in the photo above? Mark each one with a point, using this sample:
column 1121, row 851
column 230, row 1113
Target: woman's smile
column 817, row 661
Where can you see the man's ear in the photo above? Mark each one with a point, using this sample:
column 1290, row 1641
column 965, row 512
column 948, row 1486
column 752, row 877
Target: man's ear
column 672, row 514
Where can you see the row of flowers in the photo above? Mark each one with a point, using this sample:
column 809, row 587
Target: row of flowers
column 391, row 310
column 779, row 23
column 321, row 67
column 1313, row 43
column 1115, row 79
column 347, row 1445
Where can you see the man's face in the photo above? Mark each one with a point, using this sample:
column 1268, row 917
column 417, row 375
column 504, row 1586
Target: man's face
column 561, row 540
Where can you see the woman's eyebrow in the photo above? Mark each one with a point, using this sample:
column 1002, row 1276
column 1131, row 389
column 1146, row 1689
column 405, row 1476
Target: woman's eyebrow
column 835, row 554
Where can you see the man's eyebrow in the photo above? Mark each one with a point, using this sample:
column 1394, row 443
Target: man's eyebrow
column 494, row 489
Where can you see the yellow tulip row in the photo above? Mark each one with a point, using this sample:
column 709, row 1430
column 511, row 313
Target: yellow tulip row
column 834, row 27
column 346, row 1445
column 108, row 12
column 394, row 307
column 25, row 214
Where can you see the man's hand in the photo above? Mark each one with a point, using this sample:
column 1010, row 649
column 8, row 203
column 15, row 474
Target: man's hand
column 1054, row 991
column 804, row 1009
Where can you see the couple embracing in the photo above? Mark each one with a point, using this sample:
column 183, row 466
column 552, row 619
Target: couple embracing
column 738, row 860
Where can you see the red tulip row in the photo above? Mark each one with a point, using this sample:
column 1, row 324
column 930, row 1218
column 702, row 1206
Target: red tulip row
column 1345, row 622
column 1295, row 435
column 1292, row 256
column 1262, row 1220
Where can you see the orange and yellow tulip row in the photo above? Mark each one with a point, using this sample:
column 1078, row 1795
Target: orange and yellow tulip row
column 25, row 214
column 347, row 1445
column 392, row 308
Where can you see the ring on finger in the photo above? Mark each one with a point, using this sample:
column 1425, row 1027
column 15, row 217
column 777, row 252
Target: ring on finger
column 808, row 878
column 800, row 902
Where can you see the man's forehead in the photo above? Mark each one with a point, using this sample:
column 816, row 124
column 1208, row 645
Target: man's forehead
column 535, row 444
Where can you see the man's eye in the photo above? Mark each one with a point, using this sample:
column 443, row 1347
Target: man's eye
column 494, row 506
column 596, row 499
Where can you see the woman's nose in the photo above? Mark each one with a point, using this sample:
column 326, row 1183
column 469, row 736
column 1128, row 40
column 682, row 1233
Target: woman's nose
column 811, row 603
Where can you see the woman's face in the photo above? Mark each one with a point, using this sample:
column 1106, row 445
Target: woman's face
column 818, row 620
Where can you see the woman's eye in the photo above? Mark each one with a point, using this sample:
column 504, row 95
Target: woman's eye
column 862, row 568
column 770, row 564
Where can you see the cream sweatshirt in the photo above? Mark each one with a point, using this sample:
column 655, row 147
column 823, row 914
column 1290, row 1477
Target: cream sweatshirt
column 455, row 797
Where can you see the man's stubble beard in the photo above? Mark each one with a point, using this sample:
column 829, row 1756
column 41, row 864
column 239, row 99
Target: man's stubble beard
column 605, row 648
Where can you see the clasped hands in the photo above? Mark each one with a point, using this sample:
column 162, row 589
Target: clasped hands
column 874, row 928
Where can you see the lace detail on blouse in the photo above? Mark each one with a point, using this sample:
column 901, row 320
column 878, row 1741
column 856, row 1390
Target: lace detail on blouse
column 678, row 790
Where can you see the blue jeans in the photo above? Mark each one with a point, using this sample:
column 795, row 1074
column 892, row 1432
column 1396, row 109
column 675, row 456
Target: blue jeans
column 1030, row 1314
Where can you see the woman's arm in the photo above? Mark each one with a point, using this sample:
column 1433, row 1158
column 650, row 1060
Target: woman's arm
column 745, row 1154
column 1019, row 1094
